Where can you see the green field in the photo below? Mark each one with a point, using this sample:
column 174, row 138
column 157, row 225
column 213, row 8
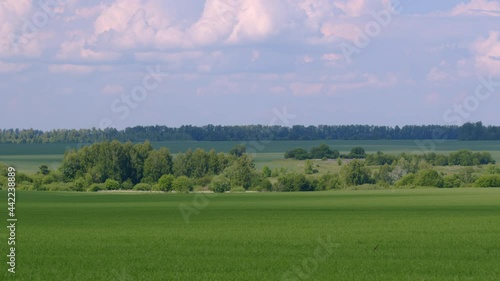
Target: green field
column 28, row 157
column 430, row 234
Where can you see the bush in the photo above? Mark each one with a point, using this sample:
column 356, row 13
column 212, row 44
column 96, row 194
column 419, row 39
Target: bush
column 143, row 187
column 293, row 182
column 266, row 172
column 328, row 182
column 220, row 184
column 357, row 153
column 356, row 173
column 111, row 184
column 452, row 181
column 79, row 184
column 488, row 180
column 127, row 185
column 429, row 178
column 165, row 182
column 406, row 180
column 96, row 187
column 182, row 184
column 238, row 189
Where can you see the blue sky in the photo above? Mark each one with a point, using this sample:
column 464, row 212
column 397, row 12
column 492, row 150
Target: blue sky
column 117, row 63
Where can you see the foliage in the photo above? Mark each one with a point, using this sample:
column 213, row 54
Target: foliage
column 237, row 189
column 266, row 172
column 43, row 170
column 241, row 172
column 238, row 150
column 428, row 177
column 488, row 180
column 328, row 182
column 111, row 184
column 356, row 173
column 308, row 167
column 143, row 187
column 182, row 184
column 158, row 163
column 292, row 182
column 220, row 184
column 357, row 153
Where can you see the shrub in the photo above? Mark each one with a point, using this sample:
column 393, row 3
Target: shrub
column 356, row 173
column 329, row 182
column 452, row 181
column 357, row 152
column 79, row 184
column 143, row 187
column 165, row 182
column 182, row 184
column 406, row 180
column 220, row 184
column 238, row 189
column 111, row 184
column 488, row 180
column 293, row 182
column 266, row 172
column 95, row 187
column 429, row 177
column 127, row 185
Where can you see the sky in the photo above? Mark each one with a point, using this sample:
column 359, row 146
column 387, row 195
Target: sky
column 121, row 63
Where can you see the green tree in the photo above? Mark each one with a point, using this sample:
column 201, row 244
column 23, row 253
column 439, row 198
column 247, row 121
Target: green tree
column 238, row 150
column 220, row 184
column 111, row 184
column 165, row 183
column 43, row 170
column 182, row 184
column 429, row 177
column 266, row 172
column 158, row 163
column 241, row 171
column 355, row 173
column 357, row 152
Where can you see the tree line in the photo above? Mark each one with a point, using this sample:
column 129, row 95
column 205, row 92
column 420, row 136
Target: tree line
column 127, row 166
column 468, row 131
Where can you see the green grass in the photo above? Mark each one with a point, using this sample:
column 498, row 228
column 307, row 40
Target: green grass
column 398, row 235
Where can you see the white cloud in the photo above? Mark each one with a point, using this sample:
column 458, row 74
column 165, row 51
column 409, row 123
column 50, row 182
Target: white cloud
column 487, row 53
column 478, row 7
column 112, row 89
column 71, row 68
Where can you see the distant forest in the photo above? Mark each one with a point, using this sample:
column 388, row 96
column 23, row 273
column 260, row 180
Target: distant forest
column 468, row 131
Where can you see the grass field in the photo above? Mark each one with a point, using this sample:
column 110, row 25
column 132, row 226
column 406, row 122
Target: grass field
column 430, row 234
column 28, row 157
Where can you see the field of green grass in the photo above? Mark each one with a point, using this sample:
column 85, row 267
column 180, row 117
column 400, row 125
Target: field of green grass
column 28, row 157
column 429, row 234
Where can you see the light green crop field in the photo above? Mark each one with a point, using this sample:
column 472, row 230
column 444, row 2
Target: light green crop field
column 426, row 234
column 28, row 157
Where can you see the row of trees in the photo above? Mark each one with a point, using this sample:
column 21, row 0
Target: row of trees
column 323, row 151
column 468, row 131
column 460, row 158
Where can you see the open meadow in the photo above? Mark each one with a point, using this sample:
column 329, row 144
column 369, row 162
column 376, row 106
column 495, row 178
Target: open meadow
column 28, row 157
column 423, row 234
